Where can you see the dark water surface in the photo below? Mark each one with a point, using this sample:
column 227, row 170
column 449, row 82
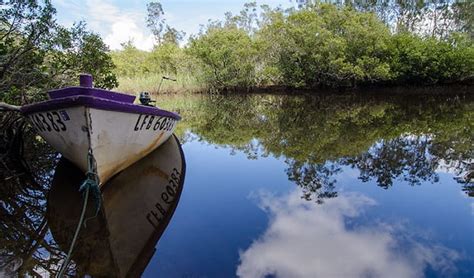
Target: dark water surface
column 294, row 186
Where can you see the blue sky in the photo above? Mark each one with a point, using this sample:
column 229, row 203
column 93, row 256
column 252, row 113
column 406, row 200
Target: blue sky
column 118, row 21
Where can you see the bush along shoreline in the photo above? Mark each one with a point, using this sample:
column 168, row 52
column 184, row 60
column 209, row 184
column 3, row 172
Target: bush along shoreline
column 320, row 47
column 38, row 54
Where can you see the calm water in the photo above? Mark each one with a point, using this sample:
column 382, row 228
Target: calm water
column 294, row 186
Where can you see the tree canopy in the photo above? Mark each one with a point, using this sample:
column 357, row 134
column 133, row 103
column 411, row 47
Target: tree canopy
column 37, row 54
column 324, row 44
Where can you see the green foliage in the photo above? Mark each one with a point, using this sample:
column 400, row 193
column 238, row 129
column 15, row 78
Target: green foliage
column 25, row 31
column 130, row 61
column 37, row 54
column 418, row 60
column 228, row 56
column 140, row 70
column 464, row 17
column 341, row 45
column 358, row 43
column 151, row 83
column 172, row 36
column 166, row 58
column 80, row 51
column 328, row 46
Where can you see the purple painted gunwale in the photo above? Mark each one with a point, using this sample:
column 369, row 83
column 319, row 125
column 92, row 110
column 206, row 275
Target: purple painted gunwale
column 93, row 92
column 97, row 103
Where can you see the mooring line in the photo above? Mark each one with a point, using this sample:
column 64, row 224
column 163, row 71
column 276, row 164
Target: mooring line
column 76, row 234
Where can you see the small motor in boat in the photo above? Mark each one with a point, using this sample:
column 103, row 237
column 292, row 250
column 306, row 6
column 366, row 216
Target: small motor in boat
column 145, row 99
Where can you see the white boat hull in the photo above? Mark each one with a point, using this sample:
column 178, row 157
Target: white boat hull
column 116, row 139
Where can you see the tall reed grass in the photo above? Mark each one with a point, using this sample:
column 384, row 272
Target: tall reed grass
column 151, row 83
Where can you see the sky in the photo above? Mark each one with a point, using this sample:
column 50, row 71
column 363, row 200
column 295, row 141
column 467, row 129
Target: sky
column 118, row 21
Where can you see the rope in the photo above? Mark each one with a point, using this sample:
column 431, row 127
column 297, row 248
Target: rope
column 79, row 225
column 91, row 183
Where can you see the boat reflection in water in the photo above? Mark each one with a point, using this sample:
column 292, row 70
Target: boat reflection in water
column 137, row 206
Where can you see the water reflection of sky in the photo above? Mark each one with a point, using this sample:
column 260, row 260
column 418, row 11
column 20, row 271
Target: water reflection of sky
column 304, row 239
column 243, row 217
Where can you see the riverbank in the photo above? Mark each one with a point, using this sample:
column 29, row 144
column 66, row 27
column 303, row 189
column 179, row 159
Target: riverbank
column 380, row 90
column 321, row 46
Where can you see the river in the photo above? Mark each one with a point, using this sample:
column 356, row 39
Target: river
column 296, row 186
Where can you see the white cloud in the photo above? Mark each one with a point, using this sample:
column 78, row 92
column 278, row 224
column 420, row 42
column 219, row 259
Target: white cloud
column 120, row 25
column 115, row 24
column 126, row 30
column 309, row 240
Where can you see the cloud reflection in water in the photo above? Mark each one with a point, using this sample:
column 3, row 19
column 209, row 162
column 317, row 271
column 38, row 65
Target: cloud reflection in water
column 309, row 240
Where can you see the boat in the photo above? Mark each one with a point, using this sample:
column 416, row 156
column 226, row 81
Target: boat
column 83, row 122
column 138, row 204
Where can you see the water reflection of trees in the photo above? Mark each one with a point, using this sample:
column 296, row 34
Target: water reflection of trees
column 406, row 157
column 404, row 138
column 316, row 180
column 25, row 172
